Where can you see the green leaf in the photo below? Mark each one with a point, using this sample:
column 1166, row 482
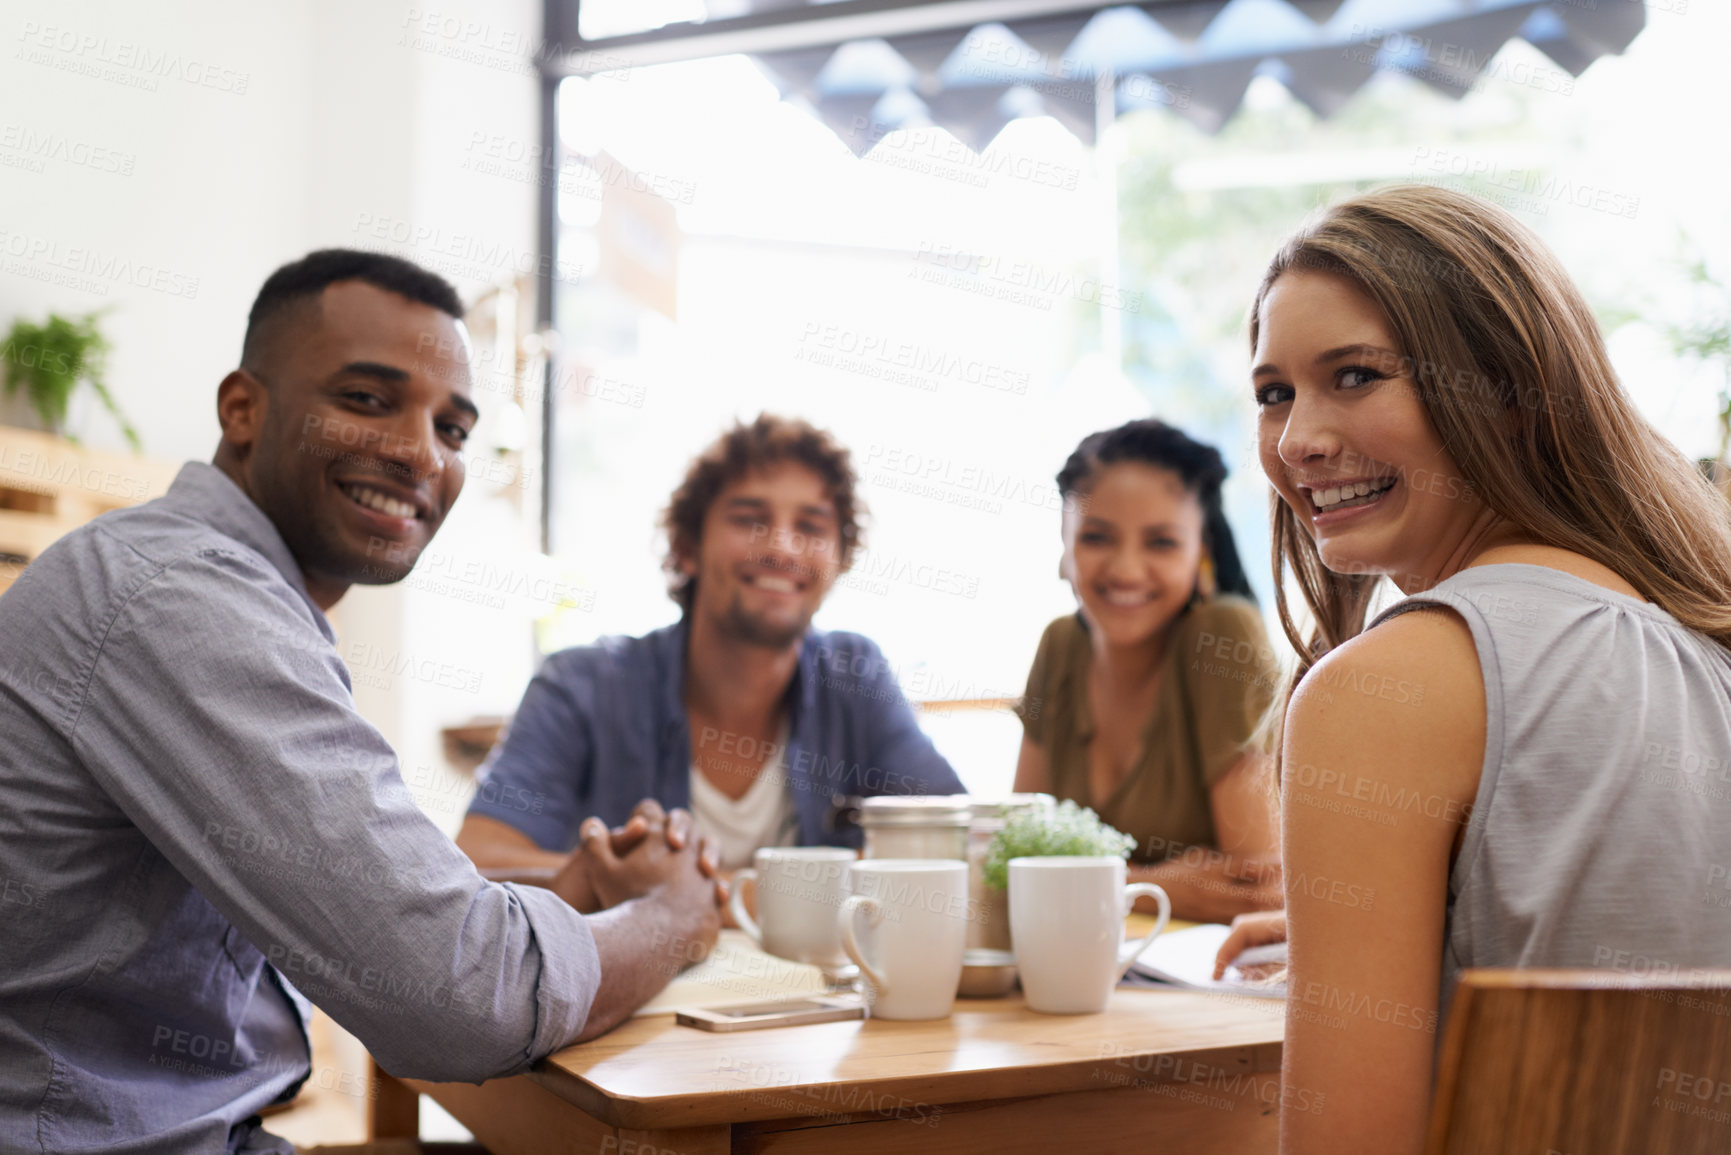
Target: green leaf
column 49, row 361
column 1068, row 830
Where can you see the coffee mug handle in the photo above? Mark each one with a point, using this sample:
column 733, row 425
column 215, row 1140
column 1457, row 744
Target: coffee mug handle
column 845, row 921
column 736, row 905
column 1131, row 893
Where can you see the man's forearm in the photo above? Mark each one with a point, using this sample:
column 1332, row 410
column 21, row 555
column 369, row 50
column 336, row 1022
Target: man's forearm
column 526, row 875
column 497, row 846
column 489, row 855
column 642, row 944
column 503, row 854
column 564, row 876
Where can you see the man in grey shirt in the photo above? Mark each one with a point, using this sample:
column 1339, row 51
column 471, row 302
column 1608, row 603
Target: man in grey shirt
column 197, row 830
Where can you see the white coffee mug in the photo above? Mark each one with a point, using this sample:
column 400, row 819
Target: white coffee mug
column 1067, row 925
column 799, row 889
column 916, row 917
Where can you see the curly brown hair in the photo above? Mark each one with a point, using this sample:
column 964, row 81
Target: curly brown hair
column 766, row 441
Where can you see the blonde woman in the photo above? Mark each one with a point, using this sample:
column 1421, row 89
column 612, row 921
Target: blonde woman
column 1540, row 774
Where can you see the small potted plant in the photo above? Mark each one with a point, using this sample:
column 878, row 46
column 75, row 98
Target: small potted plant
column 1063, row 830
column 1067, row 829
column 49, row 361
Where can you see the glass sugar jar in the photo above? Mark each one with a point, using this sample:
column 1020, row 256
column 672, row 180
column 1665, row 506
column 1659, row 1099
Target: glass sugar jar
column 989, row 926
column 916, row 826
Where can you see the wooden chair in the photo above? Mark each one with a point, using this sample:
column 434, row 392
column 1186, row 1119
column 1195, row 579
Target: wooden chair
column 1584, row 1062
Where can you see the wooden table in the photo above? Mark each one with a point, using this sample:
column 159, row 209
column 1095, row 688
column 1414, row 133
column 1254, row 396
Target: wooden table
column 1158, row 1071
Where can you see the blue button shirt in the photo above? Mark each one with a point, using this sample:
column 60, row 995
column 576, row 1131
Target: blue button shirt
column 603, row 727
column 195, row 822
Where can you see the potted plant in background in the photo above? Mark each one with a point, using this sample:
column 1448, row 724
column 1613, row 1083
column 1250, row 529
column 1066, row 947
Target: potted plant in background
column 49, row 361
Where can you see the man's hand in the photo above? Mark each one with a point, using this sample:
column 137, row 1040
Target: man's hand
column 574, row 884
column 655, row 843
column 623, row 875
column 648, row 816
column 644, row 941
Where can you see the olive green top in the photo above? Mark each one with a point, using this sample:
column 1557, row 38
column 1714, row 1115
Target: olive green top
column 1220, row 676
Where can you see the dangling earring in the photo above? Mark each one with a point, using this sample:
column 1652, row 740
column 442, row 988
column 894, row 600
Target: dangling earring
column 1205, row 585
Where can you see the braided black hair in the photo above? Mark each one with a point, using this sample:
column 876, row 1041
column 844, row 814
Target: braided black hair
column 1151, row 441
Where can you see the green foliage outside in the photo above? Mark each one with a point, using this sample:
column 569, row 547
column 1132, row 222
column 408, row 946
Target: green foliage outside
column 1200, row 215
column 1707, row 338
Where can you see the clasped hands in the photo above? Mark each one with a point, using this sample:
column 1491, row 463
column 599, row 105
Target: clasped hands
column 654, row 849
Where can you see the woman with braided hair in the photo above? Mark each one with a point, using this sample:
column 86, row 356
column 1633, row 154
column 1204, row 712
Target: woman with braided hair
column 1146, row 704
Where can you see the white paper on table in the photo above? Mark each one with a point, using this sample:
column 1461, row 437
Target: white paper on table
column 736, row 971
column 1185, row 958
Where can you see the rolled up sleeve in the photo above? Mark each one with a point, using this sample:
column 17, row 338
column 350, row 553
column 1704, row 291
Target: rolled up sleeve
column 219, row 718
column 569, row 971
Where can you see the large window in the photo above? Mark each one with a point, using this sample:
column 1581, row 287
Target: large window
column 961, row 320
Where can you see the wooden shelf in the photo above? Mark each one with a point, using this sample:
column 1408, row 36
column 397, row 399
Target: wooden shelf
column 49, row 487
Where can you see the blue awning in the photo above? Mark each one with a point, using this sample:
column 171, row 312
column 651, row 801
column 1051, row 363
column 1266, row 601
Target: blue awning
column 1194, row 58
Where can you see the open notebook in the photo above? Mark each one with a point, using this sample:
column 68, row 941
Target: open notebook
column 736, row 971
column 1185, row 959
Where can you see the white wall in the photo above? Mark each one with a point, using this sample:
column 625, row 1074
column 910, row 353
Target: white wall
column 160, row 160
column 206, row 192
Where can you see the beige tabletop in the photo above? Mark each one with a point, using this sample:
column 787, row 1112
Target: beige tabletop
column 1200, row 1070
column 652, row 1072
column 1196, row 1071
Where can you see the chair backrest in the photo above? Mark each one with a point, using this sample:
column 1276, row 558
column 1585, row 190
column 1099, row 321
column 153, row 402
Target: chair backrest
column 1585, row 1062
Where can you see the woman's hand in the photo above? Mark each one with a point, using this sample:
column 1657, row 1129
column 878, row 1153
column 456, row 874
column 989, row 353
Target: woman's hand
column 1248, row 930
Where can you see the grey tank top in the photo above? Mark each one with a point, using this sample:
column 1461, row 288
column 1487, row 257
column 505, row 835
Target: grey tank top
column 1601, row 832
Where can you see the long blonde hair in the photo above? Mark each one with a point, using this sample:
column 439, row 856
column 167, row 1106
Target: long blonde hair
column 1513, row 375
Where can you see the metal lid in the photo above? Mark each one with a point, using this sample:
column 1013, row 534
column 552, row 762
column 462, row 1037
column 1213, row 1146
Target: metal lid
column 915, row 810
column 1010, row 804
column 981, row 957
